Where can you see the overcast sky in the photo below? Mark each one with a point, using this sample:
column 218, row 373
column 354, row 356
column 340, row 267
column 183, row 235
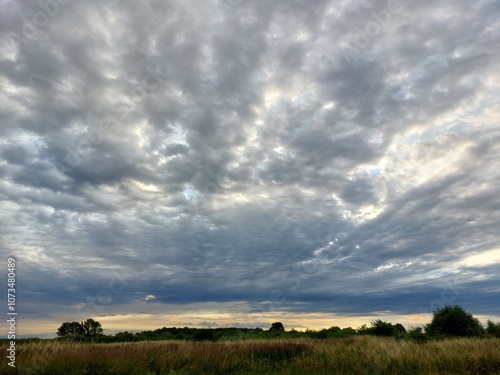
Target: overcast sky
column 240, row 162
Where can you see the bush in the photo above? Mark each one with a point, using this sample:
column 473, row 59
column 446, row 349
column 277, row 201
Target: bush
column 493, row 328
column 416, row 334
column 323, row 334
column 382, row 328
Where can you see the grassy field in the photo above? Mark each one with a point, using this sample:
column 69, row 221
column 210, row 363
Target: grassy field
column 357, row 355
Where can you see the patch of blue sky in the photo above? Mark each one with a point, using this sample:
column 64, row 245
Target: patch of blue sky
column 373, row 171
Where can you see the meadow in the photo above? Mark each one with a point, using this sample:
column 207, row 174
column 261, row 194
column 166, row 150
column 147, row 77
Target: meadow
column 354, row 355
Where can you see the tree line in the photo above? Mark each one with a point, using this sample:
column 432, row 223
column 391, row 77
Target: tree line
column 449, row 321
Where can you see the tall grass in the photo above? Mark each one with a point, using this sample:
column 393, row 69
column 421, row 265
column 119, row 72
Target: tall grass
column 357, row 355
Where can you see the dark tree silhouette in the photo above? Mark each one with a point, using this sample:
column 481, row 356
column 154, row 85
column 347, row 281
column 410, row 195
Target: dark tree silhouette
column 204, row 335
column 278, row 326
column 70, row 328
column 454, row 321
column 493, row 328
column 382, row 328
column 399, row 328
column 91, row 327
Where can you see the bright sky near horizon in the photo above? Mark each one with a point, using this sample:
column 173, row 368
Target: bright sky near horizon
column 241, row 162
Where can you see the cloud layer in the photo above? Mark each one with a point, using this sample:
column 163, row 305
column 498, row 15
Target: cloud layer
column 289, row 156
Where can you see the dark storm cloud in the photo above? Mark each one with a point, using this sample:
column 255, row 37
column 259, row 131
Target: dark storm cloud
column 342, row 154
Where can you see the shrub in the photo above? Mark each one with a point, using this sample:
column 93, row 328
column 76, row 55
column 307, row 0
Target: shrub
column 493, row 328
column 416, row 334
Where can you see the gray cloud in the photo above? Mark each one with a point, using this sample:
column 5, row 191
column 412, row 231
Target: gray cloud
column 218, row 153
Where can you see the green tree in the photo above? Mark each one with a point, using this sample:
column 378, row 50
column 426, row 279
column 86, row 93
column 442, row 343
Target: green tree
column 91, row 327
column 454, row 321
column 70, row 328
column 382, row 328
column 323, row 334
column 493, row 328
column 364, row 330
column 278, row 326
column 204, row 334
column 399, row 329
